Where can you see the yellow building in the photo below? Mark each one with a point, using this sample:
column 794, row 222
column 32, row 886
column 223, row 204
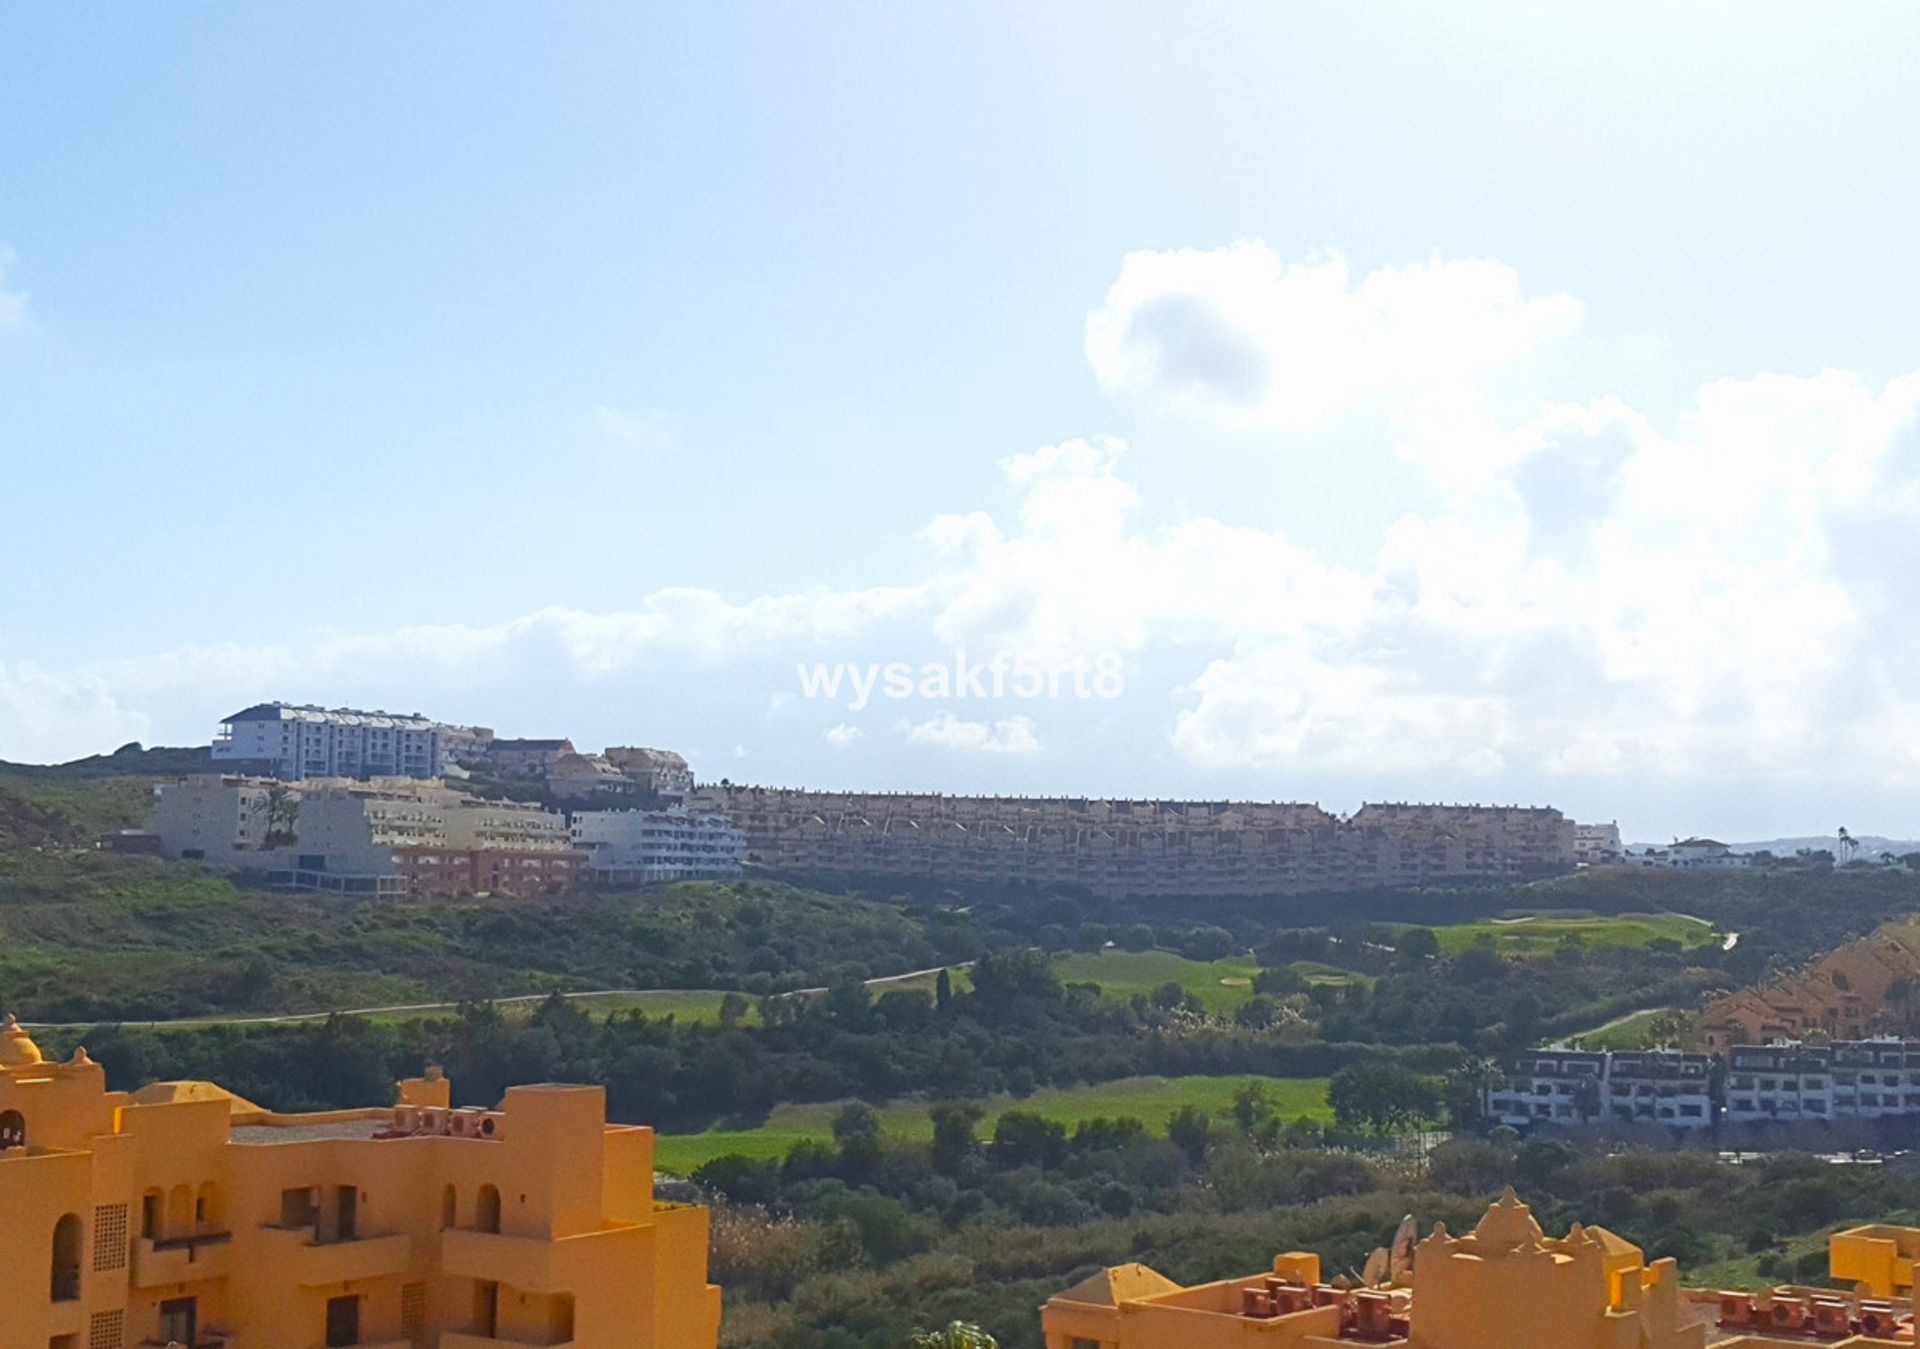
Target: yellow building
column 1505, row 1285
column 181, row 1213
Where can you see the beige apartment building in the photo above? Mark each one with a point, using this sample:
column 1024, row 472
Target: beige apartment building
column 387, row 836
column 1126, row 848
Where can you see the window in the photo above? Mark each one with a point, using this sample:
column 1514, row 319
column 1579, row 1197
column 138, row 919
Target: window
column 13, row 1130
column 486, row 1214
column 150, row 1215
column 343, row 1321
column 66, row 1259
column 449, row 1207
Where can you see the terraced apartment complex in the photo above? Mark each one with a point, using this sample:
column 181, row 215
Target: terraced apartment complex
column 1137, row 848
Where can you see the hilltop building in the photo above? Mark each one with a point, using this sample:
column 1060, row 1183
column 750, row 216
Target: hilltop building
column 658, row 773
column 526, row 758
column 291, row 741
column 1127, row 848
column 647, row 846
column 1864, row 988
column 1691, row 854
column 1598, row 845
column 1505, row 1285
column 181, row 1214
column 388, row 836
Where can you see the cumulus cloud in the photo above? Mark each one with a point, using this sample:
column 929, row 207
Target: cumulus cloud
column 1715, row 595
column 843, row 735
column 1240, row 336
column 1010, row 735
column 47, row 716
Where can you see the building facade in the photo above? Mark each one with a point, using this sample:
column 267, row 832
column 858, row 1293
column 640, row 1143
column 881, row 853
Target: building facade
column 294, row 741
column 1571, row 1087
column 1843, row 1079
column 388, row 836
column 1504, row 1285
column 1124, row 848
column 1865, row 988
column 647, row 846
column 525, row 758
column 1690, row 854
column 180, row 1214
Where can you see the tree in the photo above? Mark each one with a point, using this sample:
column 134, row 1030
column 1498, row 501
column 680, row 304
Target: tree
column 732, row 1007
column 954, row 1335
column 1418, row 945
column 283, row 816
column 953, row 1140
column 1381, row 1097
column 943, row 990
column 1252, row 1107
column 1187, row 1129
column 1022, row 1138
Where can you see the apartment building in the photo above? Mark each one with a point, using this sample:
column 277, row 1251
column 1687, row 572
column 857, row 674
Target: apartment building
column 526, row 758
column 1690, row 854
column 294, row 741
column 1568, row 1087
column 1845, row 1079
column 648, row 846
column 1598, row 845
column 1504, row 1285
column 1125, row 848
column 384, row 837
column 659, row 773
column 1864, row 988
column 180, row 1214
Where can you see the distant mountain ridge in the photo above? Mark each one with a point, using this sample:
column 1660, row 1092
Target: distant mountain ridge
column 1866, row 845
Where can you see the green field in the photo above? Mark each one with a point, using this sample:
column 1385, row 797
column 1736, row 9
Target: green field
column 1220, row 985
column 1148, row 1099
column 1523, row 934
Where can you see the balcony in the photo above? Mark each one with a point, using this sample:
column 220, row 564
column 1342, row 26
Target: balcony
column 528, row 1264
column 181, row 1259
column 319, row 1264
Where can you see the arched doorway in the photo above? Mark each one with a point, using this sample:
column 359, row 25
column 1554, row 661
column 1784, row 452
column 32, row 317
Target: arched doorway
column 13, row 1129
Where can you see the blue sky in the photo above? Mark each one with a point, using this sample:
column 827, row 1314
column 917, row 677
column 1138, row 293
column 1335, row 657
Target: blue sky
column 1512, row 404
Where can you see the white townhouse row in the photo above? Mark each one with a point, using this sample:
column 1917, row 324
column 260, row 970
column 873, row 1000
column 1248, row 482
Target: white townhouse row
column 1570, row 1086
column 1844, row 1079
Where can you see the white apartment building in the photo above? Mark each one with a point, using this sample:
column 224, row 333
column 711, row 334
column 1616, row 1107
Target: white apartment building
column 1568, row 1087
column 1596, row 845
column 659, row 845
column 1846, row 1079
column 1691, row 854
column 297, row 742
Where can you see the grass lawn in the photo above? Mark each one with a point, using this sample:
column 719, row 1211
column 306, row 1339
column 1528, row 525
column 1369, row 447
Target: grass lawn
column 1522, row 933
column 1220, row 985
column 1148, row 1099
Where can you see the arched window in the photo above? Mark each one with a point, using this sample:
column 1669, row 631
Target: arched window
column 180, row 1211
column 66, row 1259
column 486, row 1213
column 207, row 1214
column 449, row 1207
column 13, row 1129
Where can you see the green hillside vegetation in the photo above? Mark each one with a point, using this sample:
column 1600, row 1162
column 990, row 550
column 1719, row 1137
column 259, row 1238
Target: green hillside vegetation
column 1151, row 1100
column 1220, row 986
column 1539, row 933
column 94, row 936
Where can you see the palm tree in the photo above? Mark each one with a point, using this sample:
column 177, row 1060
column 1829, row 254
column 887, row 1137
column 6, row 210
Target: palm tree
column 956, row 1335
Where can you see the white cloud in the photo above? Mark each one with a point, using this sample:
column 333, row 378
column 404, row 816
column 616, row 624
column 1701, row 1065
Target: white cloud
column 49, row 717
column 1236, row 335
column 1715, row 596
column 1012, row 735
column 843, row 735
column 13, row 303
column 646, row 430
